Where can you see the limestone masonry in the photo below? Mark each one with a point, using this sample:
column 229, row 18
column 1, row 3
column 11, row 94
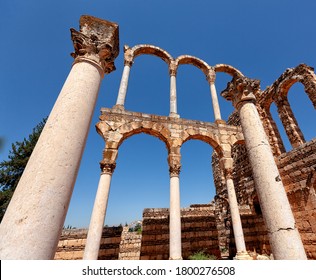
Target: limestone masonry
column 265, row 202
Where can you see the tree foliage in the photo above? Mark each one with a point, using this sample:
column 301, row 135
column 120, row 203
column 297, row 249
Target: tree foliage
column 11, row 170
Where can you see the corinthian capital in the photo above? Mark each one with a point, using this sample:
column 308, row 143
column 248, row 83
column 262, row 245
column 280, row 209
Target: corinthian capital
column 174, row 161
column 173, row 68
column 241, row 89
column 211, row 76
column 128, row 56
column 97, row 40
column 174, row 170
column 107, row 168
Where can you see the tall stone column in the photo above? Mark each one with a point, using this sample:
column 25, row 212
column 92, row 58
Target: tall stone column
column 173, row 89
column 211, row 79
column 284, row 237
column 175, row 251
column 128, row 62
column 92, row 247
column 242, row 254
column 35, row 217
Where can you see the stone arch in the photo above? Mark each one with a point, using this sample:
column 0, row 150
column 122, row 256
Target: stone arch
column 151, row 50
column 277, row 93
column 303, row 74
column 206, row 137
column 155, row 129
column 197, row 62
column 227, row 69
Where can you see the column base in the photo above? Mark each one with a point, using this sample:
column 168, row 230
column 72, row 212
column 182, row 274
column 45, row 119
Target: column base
column 176, row 259
column 220, row 121
column 174, row 115
column 242, row 256
column 118, row 107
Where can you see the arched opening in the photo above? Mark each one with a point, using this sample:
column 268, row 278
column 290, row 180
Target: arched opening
column 149, row 86
column 193, row 94
column 196, row 178
column 140, row 180
column 303, row 110
column 226, row 107
column 276, row 118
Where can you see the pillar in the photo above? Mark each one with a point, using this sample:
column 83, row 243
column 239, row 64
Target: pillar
column 128, row 62
column 242, row 254
column 34, row 219
column 92, row 246
column 283, row 235
column 173, row 89
column 175, row 252
column 211, row 79
column 289, row 122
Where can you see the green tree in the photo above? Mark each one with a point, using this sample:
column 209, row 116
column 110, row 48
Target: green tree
column 11, row 170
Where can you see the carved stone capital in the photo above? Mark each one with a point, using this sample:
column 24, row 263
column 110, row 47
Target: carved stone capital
column 97, row 41
column 228, row 173
column 174, row 165
column 211, row 76
column 107, row 168
column 128, row 56
column 174, row 170
column 241, row 89
column 173, row 68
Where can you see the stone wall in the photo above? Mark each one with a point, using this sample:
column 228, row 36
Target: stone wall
column 72, row 242
column 130, row 245
column 297, row 169
column 198, row 226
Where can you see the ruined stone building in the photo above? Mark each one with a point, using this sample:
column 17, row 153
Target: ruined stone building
column 265, row 197
column 208, row 227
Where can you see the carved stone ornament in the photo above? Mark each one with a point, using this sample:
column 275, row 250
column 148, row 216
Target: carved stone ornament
column 241, row 89
column 211, row 76
column 97, row 40
column 174, row 170
column 128, row 56
column 173, row 68
column 228, row 173
column 107, row 168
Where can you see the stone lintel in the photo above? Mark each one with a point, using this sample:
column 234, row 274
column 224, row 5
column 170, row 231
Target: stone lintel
column 97, row 40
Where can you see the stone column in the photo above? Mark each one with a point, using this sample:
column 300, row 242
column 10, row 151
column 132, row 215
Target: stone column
column 175, row 252
column 92, row 247
column 128, row 62
column 284, row 237
column 35, row 217
column 289, row 122
column 242, row 254
column 173, row 89
column 211, row 79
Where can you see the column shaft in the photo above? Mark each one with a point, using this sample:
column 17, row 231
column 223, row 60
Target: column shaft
column 284, row 238
column 236, row 221
column 289, row 122
column 216, row 108
column 92, row 247
column 175, row 220
column 173, row 95
column 34, row 219
column 123, row 86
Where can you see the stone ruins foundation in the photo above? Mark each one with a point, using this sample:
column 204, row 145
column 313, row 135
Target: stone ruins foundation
column 265, row 197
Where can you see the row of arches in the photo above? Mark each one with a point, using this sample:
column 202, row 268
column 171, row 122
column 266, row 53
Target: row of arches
column 131, row 53
column 277, row 95
column 173, row 64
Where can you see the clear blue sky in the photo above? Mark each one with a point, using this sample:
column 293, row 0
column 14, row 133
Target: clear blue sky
column 260, row 38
